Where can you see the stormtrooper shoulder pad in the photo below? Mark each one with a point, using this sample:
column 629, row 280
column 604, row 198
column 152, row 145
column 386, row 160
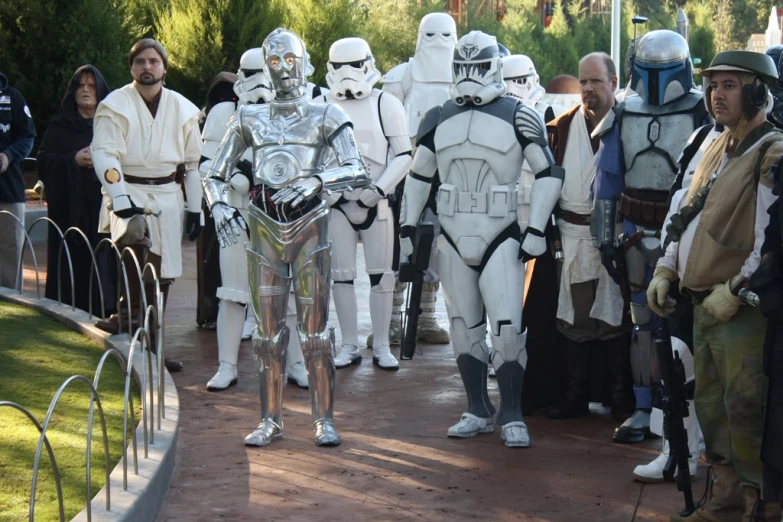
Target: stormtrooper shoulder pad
column 394, row 119
column 428, row 123
column 217, row 121
column 396, row 74
column 530, row 124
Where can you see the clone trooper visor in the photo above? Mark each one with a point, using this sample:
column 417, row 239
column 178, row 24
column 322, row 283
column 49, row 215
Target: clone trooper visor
column 659, row 84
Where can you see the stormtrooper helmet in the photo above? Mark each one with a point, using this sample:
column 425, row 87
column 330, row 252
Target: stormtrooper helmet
column 351, row 69
column 521, row 79
column 477, row 70
column 662, row 70
column 287, row 63
column 253, row 85
column 437, row 30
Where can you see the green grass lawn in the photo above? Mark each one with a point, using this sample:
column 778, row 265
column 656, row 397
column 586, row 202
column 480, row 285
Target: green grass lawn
column 37, row 354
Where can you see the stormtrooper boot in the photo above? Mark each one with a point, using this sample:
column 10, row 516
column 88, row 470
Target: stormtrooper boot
column 509, row 358
column 344, row 297
column 383, row 358
column 395, row 324
column 652, row 473
column 428, row 329
column 381, row 303
column 347, row 355
column 230, row 319
column 247, row 327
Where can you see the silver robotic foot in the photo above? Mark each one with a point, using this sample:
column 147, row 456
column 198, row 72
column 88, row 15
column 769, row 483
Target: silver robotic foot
column 326, row 434
column 265, row 433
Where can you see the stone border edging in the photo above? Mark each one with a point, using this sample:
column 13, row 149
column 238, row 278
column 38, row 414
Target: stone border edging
column 147, row 490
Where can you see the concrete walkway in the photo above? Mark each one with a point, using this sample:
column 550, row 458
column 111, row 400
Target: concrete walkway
column 395, row 462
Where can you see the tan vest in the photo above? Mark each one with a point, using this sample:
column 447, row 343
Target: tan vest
column 725, row 233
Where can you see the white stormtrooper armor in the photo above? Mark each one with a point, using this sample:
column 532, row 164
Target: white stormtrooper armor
column 290, row 138
column 476, row 143
column 253, row 86
column 420, row 84
column 654, row 127
column 379, row 124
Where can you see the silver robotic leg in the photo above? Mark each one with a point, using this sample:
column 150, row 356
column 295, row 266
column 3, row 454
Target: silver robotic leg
column 269, row 296
column 311, row 287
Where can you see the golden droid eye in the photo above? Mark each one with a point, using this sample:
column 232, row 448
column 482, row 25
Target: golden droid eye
column 289, row 60
column 274, row 62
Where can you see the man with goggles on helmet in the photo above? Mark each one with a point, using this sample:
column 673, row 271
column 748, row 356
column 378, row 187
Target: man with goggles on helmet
column 476, row 143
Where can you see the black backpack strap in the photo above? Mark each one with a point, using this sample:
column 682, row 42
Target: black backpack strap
column 687, row 155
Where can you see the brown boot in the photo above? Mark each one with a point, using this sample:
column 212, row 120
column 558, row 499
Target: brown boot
column 121, row 321
column 574, row 401
column 727, row 503
column 757, row 510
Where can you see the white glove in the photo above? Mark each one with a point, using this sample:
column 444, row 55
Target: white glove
column 658, row 291
column 371, row 196
column 721, row 303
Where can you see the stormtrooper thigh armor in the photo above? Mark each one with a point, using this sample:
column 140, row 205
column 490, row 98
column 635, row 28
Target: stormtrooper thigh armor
column 377, row 240
column 303, row 245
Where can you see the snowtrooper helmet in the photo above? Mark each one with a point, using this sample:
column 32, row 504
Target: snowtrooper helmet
column 477, row 70
column 521, row 79
column 287, row 63
column 437, row 30
column 253, row 85
column 351, row 69
column 662, row 70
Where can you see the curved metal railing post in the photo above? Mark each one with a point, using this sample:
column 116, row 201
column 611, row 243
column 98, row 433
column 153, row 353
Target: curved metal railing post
column 121, row 274
column 27, row 241
column 47, row 419
column 142, row 293
column 94, row 268
column 127, row 400
column 145, row 341
column 159, row 323
column 48, row 450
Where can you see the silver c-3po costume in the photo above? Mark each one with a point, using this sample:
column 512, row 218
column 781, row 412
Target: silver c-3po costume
column 291, row 138
column 641, row 141
column 477, row 142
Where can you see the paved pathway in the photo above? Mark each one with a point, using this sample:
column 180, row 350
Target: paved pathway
column 395, row 462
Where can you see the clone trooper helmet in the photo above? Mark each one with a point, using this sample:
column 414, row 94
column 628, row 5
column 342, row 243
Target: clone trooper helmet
column 253, row 85
column 351, row 69
column 521, row 79
column 477, row 70
column 662, row 70
column 287, row 63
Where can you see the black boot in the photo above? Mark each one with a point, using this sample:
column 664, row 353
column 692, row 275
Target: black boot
column 574, row 401
column 622, row 399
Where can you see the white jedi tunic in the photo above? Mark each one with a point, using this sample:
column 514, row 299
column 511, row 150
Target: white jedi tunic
column 581, row 260
column 150, row 148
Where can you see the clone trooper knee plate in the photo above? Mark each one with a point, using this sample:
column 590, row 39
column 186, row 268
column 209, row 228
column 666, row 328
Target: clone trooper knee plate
column 476, row 143
column 652, row 129
column 379, row 124
column 291, row 138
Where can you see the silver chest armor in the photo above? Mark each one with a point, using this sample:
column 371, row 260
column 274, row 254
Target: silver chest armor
column 479, row 160
column 653, row 138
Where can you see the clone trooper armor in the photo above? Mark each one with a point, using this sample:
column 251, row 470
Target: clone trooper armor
column 476, row 143
column 290, row 138
column 641, row 140
column 422, row 83
column 379, row 124
column 253, row 86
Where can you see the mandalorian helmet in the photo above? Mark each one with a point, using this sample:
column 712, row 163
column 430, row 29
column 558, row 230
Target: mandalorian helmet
column 662, row 70
column 253, row 85
column 521, row 79
column 287, row 63
column 351, row 69
column 477, row 70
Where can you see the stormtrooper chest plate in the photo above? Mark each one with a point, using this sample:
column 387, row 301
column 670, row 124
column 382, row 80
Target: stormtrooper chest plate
column 286, row 148
column 476, row 150
column 367, row 131
column 653, row 139
column 422, row 97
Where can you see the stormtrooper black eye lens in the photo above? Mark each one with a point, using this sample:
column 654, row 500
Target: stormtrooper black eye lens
column 430, row 34
column 251, row 72
column 447, row 35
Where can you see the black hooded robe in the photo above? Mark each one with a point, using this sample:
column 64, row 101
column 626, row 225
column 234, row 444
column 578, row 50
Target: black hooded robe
column 73, row 195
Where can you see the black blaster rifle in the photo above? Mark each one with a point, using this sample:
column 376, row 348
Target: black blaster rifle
column 412, row 272
column 671, row 399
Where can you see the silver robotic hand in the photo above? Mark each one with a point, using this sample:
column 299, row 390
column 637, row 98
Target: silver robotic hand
column 228, row 224
column 298, row 191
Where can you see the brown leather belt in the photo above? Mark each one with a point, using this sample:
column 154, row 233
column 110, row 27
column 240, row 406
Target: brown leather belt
column 151, row 181
column 574, row 218
column 698, row 296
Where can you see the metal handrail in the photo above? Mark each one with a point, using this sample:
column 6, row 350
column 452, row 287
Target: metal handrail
column 59, row 259
column 79, row 231
column 21, row 256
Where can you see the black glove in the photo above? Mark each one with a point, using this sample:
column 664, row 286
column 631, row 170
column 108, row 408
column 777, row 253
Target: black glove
column 767, row 283
column 129, row 212
column 193, row 225
column 613, row 260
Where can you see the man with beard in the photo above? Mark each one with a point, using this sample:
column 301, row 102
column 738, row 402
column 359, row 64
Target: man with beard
column 590, row 305
column 146, row 144
column 73, row 193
